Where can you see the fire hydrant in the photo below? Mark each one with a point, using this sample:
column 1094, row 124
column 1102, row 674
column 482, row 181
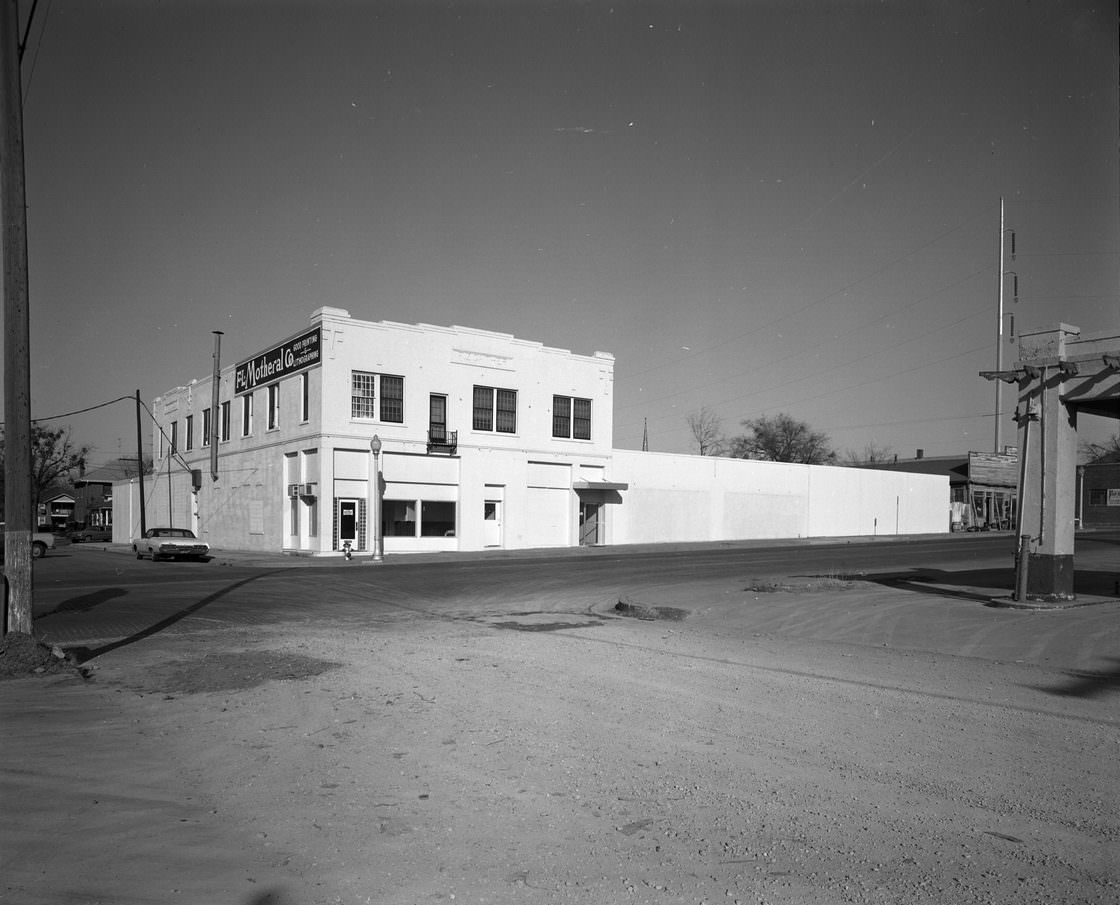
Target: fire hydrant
column 346, row 548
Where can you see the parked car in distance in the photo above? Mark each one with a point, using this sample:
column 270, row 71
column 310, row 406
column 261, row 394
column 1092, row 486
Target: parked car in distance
column 90, row 535
column 170, row 543
column 41, row 542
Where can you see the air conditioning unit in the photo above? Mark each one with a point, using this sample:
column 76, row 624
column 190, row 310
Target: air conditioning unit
column 307, row 490
column 293, row 491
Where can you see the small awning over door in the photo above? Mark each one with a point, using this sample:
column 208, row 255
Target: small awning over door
column 599, row 485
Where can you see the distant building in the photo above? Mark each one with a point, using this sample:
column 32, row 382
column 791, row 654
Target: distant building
column 983, row 487
column 93, row 494
column 486, row 441
column 1098, row 497
column 56, row 510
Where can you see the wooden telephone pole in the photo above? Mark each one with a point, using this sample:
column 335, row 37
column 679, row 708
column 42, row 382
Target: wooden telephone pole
column 18, row 513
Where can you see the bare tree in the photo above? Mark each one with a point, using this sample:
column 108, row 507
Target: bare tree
column 783, row 439
column 871, row 455
column 707, row 431
column 1101, row 453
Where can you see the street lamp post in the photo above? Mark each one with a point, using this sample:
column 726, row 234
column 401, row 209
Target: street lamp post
column 375, row 497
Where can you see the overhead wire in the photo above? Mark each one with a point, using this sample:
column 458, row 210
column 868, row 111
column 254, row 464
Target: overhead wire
column 38, row 44
column 91, row 408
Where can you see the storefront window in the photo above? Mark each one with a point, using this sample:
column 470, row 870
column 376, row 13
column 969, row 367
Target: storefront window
column 399, row 518
column 437, row 519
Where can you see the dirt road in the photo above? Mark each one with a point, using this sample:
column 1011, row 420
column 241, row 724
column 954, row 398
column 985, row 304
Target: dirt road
column 584, row 757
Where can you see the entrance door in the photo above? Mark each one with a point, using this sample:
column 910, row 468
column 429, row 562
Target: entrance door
column 492, row 523
column 588, row 524
column 348, row 523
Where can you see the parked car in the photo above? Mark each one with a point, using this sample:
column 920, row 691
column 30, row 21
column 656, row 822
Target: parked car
column 41, row 542
column 170, row 543
column 92, row 534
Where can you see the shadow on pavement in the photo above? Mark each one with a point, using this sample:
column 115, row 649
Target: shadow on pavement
column 982, row 585
column 87, row 602
column 979, row 585
column 1084, row 684
column 84, row 654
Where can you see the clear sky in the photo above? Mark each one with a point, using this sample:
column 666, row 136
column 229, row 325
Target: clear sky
column 758, row 207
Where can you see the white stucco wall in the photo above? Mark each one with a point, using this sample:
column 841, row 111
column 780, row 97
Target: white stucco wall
column 694, row 498
column 527, row 476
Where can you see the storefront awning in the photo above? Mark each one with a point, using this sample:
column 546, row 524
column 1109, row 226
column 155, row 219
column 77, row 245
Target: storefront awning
column 600, row 485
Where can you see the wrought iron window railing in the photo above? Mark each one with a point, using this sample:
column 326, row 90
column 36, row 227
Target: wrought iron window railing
column 442, row 440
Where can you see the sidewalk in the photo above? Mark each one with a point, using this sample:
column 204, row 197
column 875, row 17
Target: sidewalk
column 304, row 559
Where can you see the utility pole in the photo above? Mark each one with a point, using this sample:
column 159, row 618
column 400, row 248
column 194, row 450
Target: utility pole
column 17, row 331
column 215, row 386
column 140, row 469
column 999, row 321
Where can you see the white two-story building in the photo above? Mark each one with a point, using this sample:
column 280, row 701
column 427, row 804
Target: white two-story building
column 483, row 441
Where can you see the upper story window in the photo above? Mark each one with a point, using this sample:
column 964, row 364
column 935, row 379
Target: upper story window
column 206, row 427
column 571, row 417
column 189, row 431
column 247, row 415
column 495, row 409
column 273, row 406
column 376, row 396
column 174, row 437
column 392, row 399
column 225, row 421
column 304, row 397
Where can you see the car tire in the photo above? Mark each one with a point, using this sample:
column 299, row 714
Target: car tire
column 38, row 550
column 139, row 555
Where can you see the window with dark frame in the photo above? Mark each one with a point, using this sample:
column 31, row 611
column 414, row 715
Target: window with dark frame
column 247, row 415
column 561, row 416
column 437, row 417
column 225, row 421
column 206, row 427
column 581, row 419
column 377, row 396
column 189, row 431
column 506, row 420
column 483, row 417
column 174, row 437
column 305, row 396
column 392, row 399
column 495, row 409
column 273, row 406
column 571, row 418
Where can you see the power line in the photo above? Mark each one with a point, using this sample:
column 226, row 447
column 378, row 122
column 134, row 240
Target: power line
column 38, row 44
column 92, row 408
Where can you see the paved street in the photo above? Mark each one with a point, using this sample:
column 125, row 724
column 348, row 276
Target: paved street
column 93, row 597
column 750, row 726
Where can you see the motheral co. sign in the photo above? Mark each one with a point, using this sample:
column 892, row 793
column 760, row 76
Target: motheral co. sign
column 287, row 358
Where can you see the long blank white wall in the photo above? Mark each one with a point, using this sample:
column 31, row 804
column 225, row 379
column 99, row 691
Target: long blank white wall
column 694, row 498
